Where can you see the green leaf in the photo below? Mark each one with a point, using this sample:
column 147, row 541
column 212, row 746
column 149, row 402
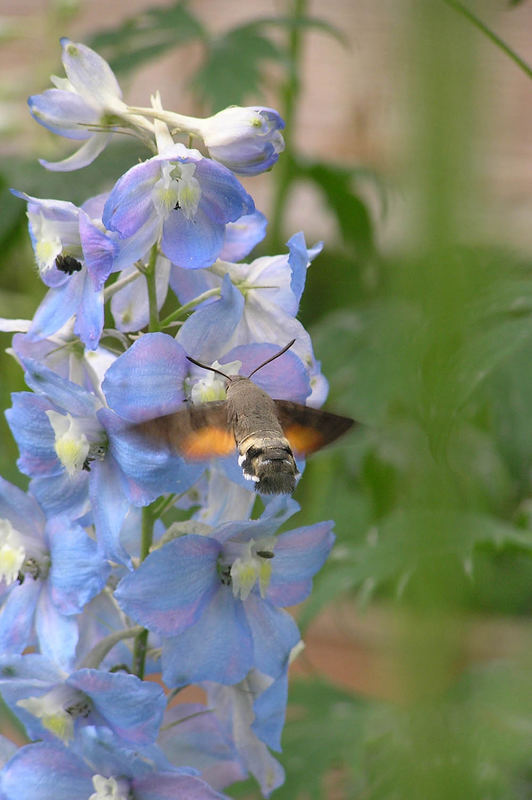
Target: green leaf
column 232, row 71
column 324, row 732
column 146, row 36
column 338, row 185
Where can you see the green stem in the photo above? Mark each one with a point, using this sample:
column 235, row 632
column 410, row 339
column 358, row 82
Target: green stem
column 289, row 96
column 149, row 274
column 141, row 640
column 527, row 69
column 115, row 287
column 189, row 306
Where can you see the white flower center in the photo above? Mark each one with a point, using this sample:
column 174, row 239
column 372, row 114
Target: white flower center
column 250, row 567
column 71, row 444
column 177, row 189
column 108, row 789
column 58, row 709
column 212, row 386
column 12, row 553
column 47, row 243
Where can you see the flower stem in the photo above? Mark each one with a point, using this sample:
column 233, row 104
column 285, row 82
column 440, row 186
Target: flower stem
column 141, row 640
column 189, row 306
column 527, row 69
column 289, row 96
column 149, row 274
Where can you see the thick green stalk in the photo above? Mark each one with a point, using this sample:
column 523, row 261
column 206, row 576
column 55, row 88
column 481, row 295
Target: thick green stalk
column 149, row 274
column 289, row 95
column 141, row 640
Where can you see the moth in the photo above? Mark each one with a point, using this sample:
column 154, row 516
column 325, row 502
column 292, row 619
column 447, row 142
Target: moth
column 265, row 431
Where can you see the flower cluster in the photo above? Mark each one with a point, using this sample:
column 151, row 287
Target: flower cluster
column 125, row 559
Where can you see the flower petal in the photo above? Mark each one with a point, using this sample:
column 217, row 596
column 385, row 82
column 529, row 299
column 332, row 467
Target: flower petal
column 46, row 772
column 217, row 647
column 82, row 157
column 186, row 567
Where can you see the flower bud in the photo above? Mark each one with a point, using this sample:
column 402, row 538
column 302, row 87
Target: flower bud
column 246, row 140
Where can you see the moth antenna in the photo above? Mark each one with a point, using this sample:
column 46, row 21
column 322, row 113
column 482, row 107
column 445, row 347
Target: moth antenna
column 280, row 353
column 212, row 369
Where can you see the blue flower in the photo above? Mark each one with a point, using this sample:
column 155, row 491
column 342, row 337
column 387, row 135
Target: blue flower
column 98, row 770
column 50, row 570
column 181, row 198
column 258, row 303
column 252, row 713
column 88, row 100
column 221, row 614
column 51, row 703
column 67, row 445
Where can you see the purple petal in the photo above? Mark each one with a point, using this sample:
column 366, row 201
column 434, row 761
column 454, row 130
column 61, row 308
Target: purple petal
column 89, row 315
column 169, row 786
column 147, row 380
column 186, row 567
column 59, row 494
column 284, row 379
column 129, row 205
column 65, row 394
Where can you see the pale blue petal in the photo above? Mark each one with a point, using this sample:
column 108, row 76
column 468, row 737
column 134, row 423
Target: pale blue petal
column 57, row 633
column 132, row 708
column 218, row 647
column 20, row 509
column 61, row 111
column 192, row 243
column 274, row 635
column 186, row 567
column 110, row 505
column 147, row 380
column 169, row 786
column 206, row 333
column 46, row 772
column 222, row 195
column 129, row 205
column 188, row 284
column 89, row 73
column 89, row 315
column 86, row 154
column 299, row 554
column 99, row 250
column 16, row 616
column 65, row 394
column 33, row 434
column 59, row 494
column 78, row 571
column 299, row 260
column 285, row 378
column 270, row 710
column 242, row 235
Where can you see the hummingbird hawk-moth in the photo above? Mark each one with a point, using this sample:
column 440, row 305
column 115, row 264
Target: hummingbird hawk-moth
column 265, row 431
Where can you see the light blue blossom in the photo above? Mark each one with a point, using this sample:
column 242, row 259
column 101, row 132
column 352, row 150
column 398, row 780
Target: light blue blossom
column 84, row 106
column 98, row 770
column 52, row 703
column 181, row 198
column 221, row 614
column 50, row 570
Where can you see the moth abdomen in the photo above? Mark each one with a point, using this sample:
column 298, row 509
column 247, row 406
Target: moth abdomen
column 270, row 463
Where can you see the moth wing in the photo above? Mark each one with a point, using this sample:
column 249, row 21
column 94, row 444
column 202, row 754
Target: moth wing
column 196, row 432
column 309, row 429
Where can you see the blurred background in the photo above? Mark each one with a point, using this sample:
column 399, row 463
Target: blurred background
column 409, row 152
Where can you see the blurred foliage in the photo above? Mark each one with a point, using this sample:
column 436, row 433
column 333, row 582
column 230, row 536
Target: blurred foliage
column 429, row 347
